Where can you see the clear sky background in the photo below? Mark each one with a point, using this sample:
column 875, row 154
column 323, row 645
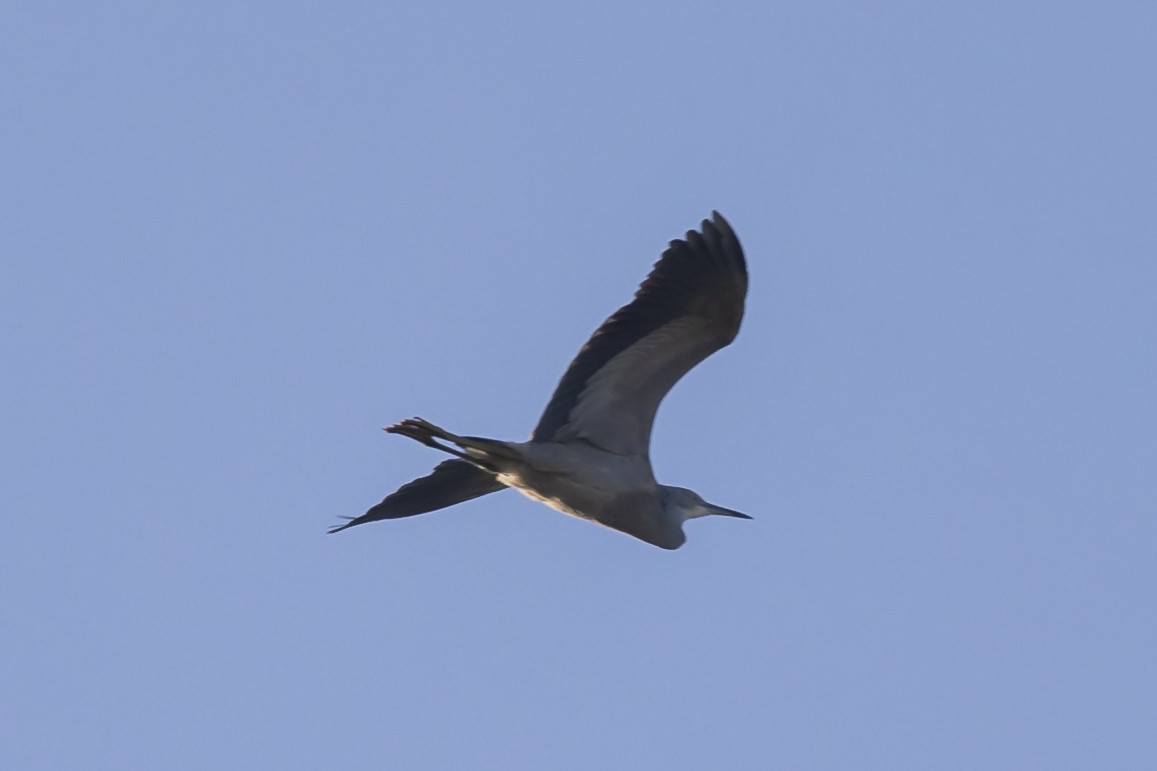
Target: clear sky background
column 237, row 239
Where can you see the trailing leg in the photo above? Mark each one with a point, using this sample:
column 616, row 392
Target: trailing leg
column 481, row 452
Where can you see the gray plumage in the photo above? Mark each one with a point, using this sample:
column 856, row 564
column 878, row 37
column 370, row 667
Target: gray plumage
column 589, row 454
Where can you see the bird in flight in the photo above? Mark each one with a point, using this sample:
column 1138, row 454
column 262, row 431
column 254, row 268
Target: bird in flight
column 589, row 454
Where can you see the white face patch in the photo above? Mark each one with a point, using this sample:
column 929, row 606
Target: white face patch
column 696, row 508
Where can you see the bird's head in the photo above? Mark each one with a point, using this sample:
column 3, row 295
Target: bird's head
column 687, row 504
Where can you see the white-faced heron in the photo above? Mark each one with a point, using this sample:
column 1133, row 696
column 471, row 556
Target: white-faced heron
column 589, row 454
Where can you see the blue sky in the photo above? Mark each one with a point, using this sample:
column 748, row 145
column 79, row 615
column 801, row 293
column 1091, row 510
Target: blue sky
column 237, row 239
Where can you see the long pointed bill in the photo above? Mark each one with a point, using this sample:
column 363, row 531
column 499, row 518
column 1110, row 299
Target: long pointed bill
column 726, row 512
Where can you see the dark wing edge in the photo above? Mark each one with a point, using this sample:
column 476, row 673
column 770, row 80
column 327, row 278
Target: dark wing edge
column 452, row 481
column 702, row 274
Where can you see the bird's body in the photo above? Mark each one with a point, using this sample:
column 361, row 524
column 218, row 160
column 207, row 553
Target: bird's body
column 579, row 479
column 589, row 455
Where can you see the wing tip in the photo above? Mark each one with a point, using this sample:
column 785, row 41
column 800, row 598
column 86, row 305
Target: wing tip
column 719, row 222
column 337, row 529
column 719, row 225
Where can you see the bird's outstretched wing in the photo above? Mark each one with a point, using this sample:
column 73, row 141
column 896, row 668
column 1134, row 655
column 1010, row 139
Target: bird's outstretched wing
column 453, row 481
column 688, row 307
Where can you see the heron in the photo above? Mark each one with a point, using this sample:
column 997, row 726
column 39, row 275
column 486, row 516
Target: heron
column 589, row 455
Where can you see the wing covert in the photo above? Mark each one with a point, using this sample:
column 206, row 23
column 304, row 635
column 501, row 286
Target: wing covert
column 689, row 306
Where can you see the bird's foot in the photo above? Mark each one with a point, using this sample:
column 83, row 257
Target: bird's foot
column 425, row 432
column 421, row 430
